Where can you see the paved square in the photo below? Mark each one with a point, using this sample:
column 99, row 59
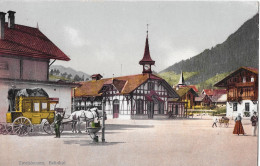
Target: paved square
column 137, row 142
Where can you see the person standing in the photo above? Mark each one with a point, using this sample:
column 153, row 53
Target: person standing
column 254, row 120
column 57, row 121
column 238, row 129
column 215, row 121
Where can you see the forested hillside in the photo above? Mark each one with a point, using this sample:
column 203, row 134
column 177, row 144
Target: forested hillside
column 240, row 49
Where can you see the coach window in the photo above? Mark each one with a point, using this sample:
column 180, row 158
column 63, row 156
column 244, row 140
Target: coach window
column 44, row 106
column 37, row 107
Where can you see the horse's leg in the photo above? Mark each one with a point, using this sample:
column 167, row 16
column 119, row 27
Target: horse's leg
column 87, row 125
column 78, row 124
column 73, row 127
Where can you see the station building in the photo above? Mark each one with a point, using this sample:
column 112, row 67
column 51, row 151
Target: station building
column 144, row 95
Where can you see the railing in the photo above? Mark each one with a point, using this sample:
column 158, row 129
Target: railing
column 245, row 84
column 241, row 98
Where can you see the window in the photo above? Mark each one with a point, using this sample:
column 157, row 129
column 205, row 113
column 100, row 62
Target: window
column 37, row 107
column 139, row 106
column 150, row 86
column 234, row 106
column 44, row 106
column 161, row 108
column 244, row 79
column 252, row 79
column 247, row 107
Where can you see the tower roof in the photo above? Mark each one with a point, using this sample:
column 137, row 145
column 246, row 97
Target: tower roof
column 147, row 58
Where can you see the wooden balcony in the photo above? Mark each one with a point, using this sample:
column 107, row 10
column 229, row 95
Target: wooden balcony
column 245, row 84
column 231, row 98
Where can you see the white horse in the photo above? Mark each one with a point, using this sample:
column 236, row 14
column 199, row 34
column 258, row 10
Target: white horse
column 87, row 116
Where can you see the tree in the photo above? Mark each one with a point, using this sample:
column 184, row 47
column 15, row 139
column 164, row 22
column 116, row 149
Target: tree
column 51, row 72
column 76, row 78
column 69, row 76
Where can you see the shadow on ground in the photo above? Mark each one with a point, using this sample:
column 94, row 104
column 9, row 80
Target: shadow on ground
column 125, row 126
column 90, row 143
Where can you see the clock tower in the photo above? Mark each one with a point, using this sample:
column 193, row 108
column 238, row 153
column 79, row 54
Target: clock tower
column 147, row 61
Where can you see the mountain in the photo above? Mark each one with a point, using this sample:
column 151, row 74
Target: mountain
column 239, row 49
column 64, row 72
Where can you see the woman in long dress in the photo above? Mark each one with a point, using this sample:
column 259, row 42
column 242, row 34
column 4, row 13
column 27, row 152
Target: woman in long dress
column 238, row 126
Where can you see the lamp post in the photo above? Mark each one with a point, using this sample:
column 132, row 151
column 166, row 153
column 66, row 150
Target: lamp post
column 103, row 119
column 104, row 89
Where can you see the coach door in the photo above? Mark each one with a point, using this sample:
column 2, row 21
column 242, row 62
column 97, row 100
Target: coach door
column 116, row 108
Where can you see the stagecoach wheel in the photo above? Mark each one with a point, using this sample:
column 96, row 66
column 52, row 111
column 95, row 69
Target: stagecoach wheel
column 8, row 129
column 48, row 128
column 22, row 126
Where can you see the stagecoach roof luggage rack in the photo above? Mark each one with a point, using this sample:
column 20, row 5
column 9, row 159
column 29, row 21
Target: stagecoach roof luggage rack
column 35, row 92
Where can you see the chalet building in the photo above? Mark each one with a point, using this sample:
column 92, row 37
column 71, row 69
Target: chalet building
column 211, row 97
column 25, row 55
column 135, row 96
column 186, row 92
column 242, row 91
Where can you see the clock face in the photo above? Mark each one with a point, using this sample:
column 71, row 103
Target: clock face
column 146, row 67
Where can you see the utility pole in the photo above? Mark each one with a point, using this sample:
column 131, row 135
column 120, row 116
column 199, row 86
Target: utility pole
column 103, row 118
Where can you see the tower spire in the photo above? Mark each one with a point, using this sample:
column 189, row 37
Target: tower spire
column 181, row 81
column 147, row 60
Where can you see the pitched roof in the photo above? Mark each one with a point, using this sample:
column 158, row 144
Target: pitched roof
column 217, row 92
column 124, row 84
column 183, row 90
column 223, row 83
column 193, row 87
column 208, row 92
column 219, row 98
column 29, row 42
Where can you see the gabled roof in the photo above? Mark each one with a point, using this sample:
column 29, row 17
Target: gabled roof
column 217, row 92
column 219, row 98
column 193, row 87
column 124, row 84
column 208, row 92
column 184, row 90
column 29, row 42
column 223, row 82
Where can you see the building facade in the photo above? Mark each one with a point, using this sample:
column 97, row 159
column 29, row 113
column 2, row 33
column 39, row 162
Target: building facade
column 25, row 58
column 136, row 96
column 242, row 91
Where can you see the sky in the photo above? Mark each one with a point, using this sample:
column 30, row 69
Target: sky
column 109, row 37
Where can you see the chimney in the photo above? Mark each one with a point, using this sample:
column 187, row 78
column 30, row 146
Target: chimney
column 2, row 25
column 11, row 19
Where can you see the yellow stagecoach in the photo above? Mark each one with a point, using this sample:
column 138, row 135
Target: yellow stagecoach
column 28, row 107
